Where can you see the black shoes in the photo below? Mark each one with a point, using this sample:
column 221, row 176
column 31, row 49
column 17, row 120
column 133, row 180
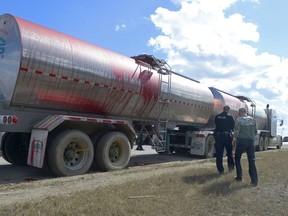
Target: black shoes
column 254, row 183
column 139, row 148
column 238, row 178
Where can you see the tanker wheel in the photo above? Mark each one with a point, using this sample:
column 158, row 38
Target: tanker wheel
column 70, row 153
column 95, row 138
column 3, row 140
column 260, row 144
column 112, row 151
column 280, row 143
column 265, row 144
column 209, row 147
column 15, row 147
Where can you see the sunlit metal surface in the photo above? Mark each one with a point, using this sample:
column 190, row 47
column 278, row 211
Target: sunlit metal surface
column 10, row 57
column 59, row 72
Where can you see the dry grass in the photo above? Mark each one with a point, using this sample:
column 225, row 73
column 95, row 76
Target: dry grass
column 195, row 191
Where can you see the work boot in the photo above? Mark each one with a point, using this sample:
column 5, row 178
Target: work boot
column 254, row 183
column 238, row 178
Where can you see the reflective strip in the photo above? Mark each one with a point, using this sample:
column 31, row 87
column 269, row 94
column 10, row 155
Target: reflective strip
column 90, row 119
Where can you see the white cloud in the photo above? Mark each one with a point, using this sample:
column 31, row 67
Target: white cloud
column 120, row 27
column 204, row 42
column 180, row 1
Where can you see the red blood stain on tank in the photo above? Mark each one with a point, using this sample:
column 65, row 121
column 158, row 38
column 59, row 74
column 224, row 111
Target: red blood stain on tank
column 122, row 76
column 70, row 102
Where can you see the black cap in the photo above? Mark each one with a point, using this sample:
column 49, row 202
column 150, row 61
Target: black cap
column 226, row 108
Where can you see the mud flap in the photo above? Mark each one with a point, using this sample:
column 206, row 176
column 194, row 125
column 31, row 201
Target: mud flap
column 197, row 143
column 198, row 147
column 37, row 148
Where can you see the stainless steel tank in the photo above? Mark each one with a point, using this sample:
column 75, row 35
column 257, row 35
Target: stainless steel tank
column 220, row 100
column 235, row 102
column 42, row 68
column 259, row 114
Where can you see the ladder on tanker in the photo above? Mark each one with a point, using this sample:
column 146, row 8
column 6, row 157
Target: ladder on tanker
column 164, row 94
column 163, row 107
column 253, row 106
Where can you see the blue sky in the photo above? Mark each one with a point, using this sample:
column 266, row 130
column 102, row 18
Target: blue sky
column 238, row 46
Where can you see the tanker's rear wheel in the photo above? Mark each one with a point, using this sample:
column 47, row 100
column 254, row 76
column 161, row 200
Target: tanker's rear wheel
column 265, row 144
column 70, row 153
column 95, row 138
column 3, row 141
column 112, row 151
column 279, row 145
column 15, row 147
column 209, row 147
column 260, row 144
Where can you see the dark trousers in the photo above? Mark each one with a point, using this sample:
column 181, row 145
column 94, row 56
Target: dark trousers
column 248, row 146
column 223, row 140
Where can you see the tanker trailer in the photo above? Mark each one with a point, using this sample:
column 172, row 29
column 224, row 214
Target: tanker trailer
column 66, row 104
column 200, row 141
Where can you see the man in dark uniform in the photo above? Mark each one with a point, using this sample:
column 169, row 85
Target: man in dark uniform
column 223, row 138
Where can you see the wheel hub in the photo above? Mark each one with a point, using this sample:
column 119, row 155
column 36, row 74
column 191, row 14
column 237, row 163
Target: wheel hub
column 114, row 153
column 71, row 154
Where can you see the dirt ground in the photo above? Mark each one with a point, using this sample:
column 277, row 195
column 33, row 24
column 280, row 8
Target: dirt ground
column 20, row 184
column 34, row 185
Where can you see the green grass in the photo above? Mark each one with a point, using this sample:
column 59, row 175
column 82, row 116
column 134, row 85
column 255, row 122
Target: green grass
column 193, row 191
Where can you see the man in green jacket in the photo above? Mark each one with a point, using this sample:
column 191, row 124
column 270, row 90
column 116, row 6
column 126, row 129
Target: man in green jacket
column 244, row 133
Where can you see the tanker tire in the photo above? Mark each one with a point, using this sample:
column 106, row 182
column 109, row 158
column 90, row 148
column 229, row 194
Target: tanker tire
column 95, row 138
column 70, row 153
column 265, row 144
column 3, row 140
column 260, row 145
column 209, row 147
column 15, row 147
column 112, row 152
